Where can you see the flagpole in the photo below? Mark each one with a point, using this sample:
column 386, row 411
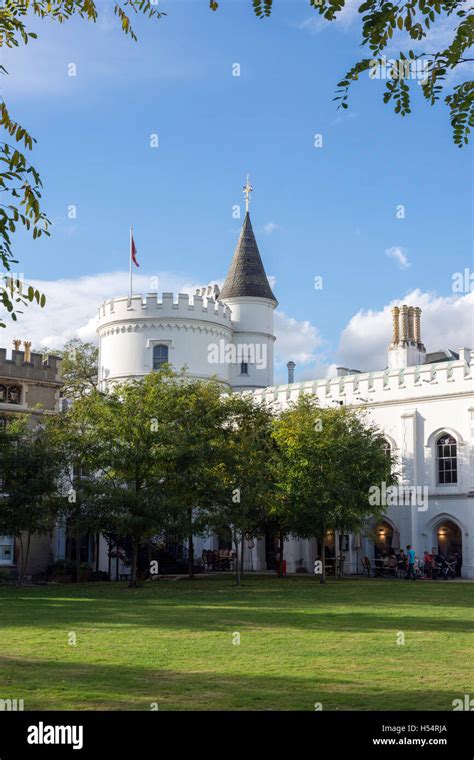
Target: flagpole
column 130, row 263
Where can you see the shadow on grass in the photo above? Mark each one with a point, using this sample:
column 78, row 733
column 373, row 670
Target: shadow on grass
column 215, row 606
column 82, row 686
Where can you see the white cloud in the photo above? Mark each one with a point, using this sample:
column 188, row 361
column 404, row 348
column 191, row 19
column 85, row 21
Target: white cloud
column 397, row 252
column 446, row 322
column 344, row 19
column 72, row 305
column 295, row 340
column 270, row 227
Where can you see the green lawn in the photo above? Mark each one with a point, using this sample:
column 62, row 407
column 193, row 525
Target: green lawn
column 172, row 643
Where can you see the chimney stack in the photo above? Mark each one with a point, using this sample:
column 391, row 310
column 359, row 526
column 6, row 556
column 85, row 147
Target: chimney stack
column 406, row 348
column 291, row 372
column 27, row 347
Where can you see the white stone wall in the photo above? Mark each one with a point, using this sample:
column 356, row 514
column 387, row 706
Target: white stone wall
column 252, row 325
column 413, row 407
column 199, row 333
column 129, row 330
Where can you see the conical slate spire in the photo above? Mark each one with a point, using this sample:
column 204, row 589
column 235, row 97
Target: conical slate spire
column 246, row 275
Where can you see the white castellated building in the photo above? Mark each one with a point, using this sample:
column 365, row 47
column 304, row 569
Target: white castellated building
column 228, row 335
column 424, row 402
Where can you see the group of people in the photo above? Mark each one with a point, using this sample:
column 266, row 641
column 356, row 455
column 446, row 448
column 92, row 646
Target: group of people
column 223, row 559
column 433, row 566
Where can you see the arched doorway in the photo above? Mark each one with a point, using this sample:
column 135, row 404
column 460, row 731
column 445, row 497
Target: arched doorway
column 384, row 536
column 448, row 541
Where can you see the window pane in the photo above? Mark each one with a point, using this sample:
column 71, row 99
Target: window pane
column 447, row 460
column 160, row 356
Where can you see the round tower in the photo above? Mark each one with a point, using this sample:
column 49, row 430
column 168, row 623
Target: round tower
column 138, row 336
column 248, row 294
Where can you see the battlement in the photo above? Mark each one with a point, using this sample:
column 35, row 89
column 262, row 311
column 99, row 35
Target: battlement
column 390, row 385
column 36, row 368
column 140, row 308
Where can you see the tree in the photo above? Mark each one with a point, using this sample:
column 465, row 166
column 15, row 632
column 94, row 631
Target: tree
column 413, row 19
column 245, row 471
column 19, row 180
column 329, row 460
column 80, row 507
column 134, row 426
column 30, row 470
column 195, row 448
column 278, row 517
column 79, row 368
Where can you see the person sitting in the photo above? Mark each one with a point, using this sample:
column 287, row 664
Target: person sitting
column 366, row 566
column 437, row 561
column 427, row 563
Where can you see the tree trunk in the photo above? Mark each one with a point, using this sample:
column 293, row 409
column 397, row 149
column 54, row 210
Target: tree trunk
column 281, row 542
column 133, row 576
column 323, row 555
column 341, row 557
column 78, row 556
column 191, row 557
column 242, row 551
column 237, row 563
column 18, row 558
column 24, row 559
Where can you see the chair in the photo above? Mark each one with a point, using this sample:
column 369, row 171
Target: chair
column 226, row 559
column 392, row 566
column 366, row 566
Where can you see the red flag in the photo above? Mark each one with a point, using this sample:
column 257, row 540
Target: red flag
column 133, row 252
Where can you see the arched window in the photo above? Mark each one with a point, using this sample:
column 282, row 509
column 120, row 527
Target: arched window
column 446, row 451
column 387, row 449
column 160, row 355
column 3, row 393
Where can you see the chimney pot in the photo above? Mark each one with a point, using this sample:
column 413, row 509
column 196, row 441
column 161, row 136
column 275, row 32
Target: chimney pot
column 404, row 323
column 27, row 347
column 291, row 372
column 395, row 324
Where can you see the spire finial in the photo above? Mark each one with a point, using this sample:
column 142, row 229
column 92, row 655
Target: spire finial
column 247, row 192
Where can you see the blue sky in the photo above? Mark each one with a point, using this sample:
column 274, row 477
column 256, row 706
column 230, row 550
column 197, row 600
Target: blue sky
column 328, row 211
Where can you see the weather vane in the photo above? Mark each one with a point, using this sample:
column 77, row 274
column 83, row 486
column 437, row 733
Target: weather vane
column 247, row 191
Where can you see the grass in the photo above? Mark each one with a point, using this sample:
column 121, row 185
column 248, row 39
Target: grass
column 171, row 643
